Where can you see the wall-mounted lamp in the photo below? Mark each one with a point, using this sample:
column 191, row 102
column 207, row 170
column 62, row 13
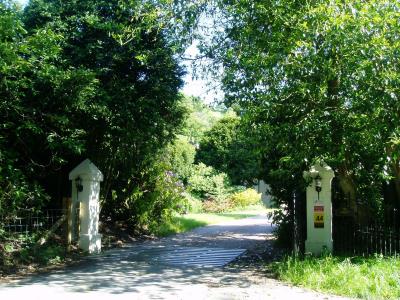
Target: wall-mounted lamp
column 318, row 184
column 78, row 184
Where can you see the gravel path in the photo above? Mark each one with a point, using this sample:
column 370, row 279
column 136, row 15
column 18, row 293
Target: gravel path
column 144, row 270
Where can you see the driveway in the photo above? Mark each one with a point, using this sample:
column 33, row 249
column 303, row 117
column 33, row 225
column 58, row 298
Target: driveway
column 191, row 266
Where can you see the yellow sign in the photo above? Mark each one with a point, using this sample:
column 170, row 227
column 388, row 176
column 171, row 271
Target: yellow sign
column 318, row 216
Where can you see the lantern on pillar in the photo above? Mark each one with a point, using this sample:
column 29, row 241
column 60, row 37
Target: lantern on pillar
column 318, row 184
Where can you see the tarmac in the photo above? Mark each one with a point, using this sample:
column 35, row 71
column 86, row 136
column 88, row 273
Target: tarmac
column 193, row 265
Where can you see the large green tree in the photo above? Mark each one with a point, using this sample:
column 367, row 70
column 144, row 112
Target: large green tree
column 201, row 117
column 316, row 80
column 135, row 109
column 40, row 100
column 96, row 79
column 226, row 148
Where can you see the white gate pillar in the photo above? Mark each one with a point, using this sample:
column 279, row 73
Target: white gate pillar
column 86, row 178
column 319, row 209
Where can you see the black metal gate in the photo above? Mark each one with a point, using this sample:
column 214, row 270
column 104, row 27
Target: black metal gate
column 370, row 234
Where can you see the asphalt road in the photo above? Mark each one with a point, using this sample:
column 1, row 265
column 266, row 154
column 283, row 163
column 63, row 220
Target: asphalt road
column 185, row 266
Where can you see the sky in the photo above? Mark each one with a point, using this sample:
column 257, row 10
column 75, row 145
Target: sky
column 192, row 87
column 198, row 87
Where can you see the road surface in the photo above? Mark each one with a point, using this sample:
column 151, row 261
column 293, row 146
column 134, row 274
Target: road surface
column 186, row 266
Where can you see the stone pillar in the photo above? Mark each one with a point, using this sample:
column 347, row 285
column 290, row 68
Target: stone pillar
column 86, row 178
column 319, row 210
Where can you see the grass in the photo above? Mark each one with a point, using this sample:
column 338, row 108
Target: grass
column 367, row 278
column 183, row 223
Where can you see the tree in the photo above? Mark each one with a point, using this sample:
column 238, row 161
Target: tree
column 200, row 119
column 40, row 99
column 180, row 156
column 226, row 148
column 136, row 109
column 317, row 81
column 95, row 79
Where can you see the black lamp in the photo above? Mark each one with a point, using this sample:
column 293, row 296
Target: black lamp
column 318, row 184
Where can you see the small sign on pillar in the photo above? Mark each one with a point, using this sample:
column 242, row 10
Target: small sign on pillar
column 86, row 178
column 318, row 216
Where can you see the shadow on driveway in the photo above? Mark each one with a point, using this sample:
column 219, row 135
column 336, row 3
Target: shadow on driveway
column 118, row 271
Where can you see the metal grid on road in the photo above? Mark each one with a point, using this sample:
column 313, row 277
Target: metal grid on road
column 188, row 256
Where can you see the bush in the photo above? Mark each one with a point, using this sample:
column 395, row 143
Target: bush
column 167, row 199
column 180, row 155
column 217, row 206
column 194, row 204
column 149, row 204
column 207, row 183
column 245, row 198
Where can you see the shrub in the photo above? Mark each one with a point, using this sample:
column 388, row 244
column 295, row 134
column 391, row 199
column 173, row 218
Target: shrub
column 194, row 204
column 205, row 182
column 180, row 155
column 149, row 204
column 245, row 198
column 217, row 206
column 167, row 199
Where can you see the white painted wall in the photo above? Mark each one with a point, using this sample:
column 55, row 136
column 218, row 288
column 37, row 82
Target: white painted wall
column 263, row 188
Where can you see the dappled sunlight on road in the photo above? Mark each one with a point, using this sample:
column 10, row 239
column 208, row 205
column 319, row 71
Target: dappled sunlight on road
column 156, row 270
column 142, row 268
column 121, row 275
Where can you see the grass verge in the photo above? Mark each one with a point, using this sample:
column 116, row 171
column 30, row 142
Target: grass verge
column 183, row 223
column 367, row 278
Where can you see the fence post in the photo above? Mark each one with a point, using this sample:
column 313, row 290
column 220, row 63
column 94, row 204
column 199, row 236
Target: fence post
column 67, row 207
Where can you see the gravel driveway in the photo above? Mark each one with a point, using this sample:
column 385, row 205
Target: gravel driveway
column 185, row 266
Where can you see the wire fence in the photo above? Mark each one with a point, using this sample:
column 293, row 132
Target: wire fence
column 28, row 222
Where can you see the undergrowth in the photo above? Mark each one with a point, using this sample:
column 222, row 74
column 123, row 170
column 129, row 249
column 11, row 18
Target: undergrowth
column 23, row 253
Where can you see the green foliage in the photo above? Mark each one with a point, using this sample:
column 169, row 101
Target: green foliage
column 201, row 118
column 50, row 254
column 96, row 79
column 21, row 251
column 180, row 155
column 206, row 182
column 215, row 192
column 226, row 148
column 194, row 204
column 154, row 201
column 219, row 205
column 314, row 80
column 29, row 134
column 245, row 198
column 366, row 278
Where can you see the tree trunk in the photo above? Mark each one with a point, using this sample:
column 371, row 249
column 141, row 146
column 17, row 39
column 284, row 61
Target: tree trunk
column 396, row 175
column 348, row 186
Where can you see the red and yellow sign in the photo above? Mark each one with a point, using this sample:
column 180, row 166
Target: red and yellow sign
column 318, row 216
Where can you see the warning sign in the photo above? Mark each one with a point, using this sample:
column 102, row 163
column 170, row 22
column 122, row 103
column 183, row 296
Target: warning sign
column 318, row 216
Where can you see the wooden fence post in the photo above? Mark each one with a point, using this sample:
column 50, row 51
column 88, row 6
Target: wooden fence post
column 67, row 205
